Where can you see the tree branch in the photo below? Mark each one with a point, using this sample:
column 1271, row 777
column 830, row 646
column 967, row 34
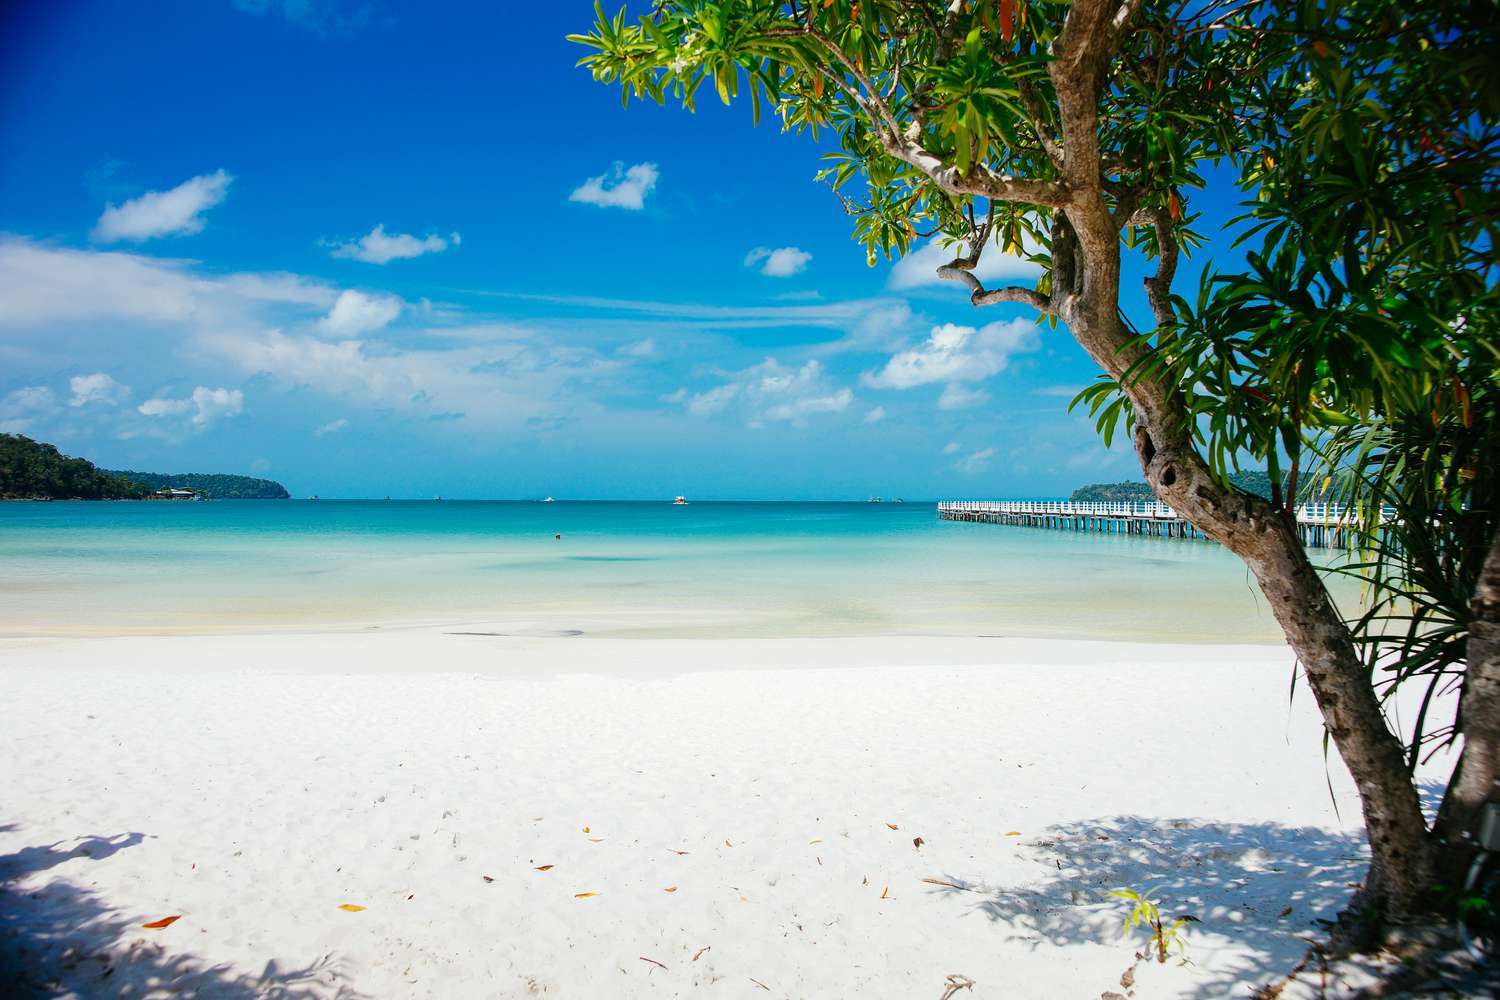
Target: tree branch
column 1045, row 134
column 980, row 181
column 981, row 296
column 1159, row 285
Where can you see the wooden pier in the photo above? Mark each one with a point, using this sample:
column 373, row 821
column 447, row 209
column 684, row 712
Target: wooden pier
column 1321, row 525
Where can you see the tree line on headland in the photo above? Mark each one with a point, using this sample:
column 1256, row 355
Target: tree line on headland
column 1249, row 480
column 35, row 470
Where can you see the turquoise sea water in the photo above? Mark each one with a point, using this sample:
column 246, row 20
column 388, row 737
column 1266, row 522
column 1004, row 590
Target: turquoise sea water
column 707, row 569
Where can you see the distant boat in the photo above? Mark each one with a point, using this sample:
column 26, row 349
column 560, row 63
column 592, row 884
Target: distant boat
column 876, row 500
column 680, row 501
column 549, row 500
column 899, row 500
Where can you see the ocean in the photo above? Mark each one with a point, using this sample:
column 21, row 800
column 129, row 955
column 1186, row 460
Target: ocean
column 623, row 569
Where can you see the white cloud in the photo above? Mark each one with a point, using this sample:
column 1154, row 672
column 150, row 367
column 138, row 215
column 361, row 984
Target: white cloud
column 42, row 285
column 97, row 388
column 177, row 212
column 332, row 427
column 919, row 267
column 770, row 391
column 356, row 312
column 321, row 17
column 951, row 448
column 954, row 353
column 974, row 461
column 206, row 405
column 705, row 404
column 782, row 262
column 379, row 247
column 23, row 407
column 499, row 383
column 134, row 312
column 876, row 415
column 639, row 349
column 956, row 397
column 797, row 409
column 623, row 187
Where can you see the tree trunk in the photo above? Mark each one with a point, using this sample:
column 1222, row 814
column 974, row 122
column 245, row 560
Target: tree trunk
column 1266, row 539
column 1476, row 776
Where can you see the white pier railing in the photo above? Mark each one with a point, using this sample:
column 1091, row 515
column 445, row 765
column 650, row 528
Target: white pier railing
column 1319, row 524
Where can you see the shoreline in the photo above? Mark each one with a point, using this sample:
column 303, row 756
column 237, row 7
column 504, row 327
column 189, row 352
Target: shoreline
column 490, row 648
column 754, row 802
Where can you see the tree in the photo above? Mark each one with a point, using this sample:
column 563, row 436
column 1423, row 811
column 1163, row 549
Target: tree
column 1071, row 133
column 32, row 469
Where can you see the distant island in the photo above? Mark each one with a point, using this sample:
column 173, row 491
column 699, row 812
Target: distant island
column 35, row 470
column 1250, row 481
column 214, row 486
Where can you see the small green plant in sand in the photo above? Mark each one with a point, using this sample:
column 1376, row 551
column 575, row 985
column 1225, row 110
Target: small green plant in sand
column 1147, row 911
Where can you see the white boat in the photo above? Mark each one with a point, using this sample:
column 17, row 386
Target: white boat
column 549, row 500
column 680, row 501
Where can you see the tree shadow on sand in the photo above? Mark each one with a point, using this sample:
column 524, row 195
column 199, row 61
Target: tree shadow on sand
column 60, row 938
column 1257, row 890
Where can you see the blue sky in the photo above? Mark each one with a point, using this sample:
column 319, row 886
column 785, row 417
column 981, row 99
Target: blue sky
column 395, row 248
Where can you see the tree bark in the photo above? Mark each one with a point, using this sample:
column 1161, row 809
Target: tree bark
column 1476, row 776
column 1401, row 872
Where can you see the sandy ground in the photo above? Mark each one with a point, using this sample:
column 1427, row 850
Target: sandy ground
column 524, row 814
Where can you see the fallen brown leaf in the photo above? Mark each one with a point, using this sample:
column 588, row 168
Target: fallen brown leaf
column 585, row 829
column 757, row 982
column 917, row 842
column 544, row 868
column 350, row 907
column 815, row 840
column 584, row 895
column 157, row 925
column 885, row 892
column 948, row 885
column 652, row 961
column 487, row 878
column 956, row 983
column 892, row 826
column 596, row 840
column 678, row 852
column 697, row 954
column 670, row 889
column 1012, row 833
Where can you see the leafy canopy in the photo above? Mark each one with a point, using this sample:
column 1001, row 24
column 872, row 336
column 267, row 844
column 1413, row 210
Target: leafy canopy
column 1363, row 134
column 964, row 84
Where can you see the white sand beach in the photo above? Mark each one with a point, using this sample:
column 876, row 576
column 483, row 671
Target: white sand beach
column 528, row 814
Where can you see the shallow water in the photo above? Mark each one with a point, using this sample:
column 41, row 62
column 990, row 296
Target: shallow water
column 729, row 569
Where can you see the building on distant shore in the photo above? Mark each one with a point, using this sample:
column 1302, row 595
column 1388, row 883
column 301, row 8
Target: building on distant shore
column 170, row 493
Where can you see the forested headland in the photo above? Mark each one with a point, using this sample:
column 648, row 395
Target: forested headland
column 35, row 470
